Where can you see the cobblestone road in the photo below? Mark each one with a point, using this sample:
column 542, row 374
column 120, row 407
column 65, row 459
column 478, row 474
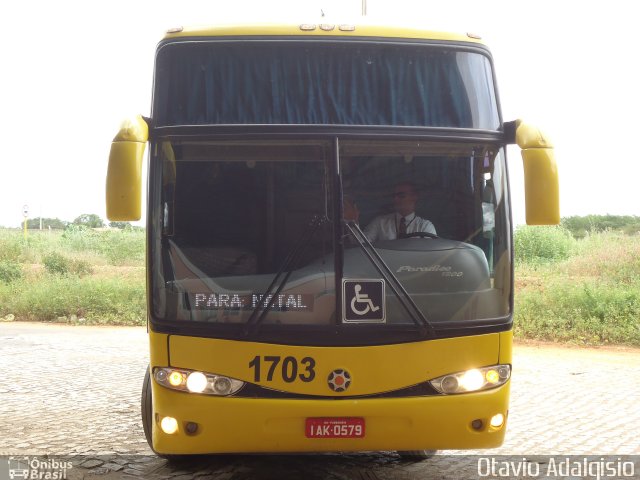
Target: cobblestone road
column 75, row 391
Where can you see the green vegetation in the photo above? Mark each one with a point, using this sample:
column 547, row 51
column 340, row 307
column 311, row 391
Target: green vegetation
column 56, row 263
column 90, row 220
column 580, row 291
column 580, row 227
column 540, row 245
column 81, row 276
column 570, row 287
column 47, row 223
column 10, row 271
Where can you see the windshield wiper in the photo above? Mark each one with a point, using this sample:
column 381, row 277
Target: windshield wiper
column 425, row 327
column 293, row 257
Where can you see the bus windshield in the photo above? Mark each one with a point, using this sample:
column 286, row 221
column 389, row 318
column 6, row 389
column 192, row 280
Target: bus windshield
column 230, row 216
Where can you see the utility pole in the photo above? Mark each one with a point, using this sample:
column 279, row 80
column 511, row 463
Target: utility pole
column 364, row 8
column 25, row 214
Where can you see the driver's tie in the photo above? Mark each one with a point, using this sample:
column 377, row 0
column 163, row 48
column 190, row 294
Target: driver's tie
column 402, row 228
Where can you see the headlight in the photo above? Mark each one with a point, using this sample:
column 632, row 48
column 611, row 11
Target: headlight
column 196, row 382
column 472, row 380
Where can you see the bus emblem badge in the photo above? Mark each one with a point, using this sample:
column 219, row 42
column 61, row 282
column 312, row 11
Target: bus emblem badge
column 339, row 380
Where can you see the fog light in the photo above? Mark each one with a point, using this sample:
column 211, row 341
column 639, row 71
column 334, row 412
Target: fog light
column 477, row 424
column 196, row 382
column 169, row 425
column 497, row 420
column 175, row 378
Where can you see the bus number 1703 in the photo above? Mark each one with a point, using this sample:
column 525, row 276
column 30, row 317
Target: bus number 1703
column 289, row 368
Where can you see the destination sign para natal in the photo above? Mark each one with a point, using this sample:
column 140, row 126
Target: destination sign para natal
column 233, row 301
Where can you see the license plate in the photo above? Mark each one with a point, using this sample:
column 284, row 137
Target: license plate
column 352, row 427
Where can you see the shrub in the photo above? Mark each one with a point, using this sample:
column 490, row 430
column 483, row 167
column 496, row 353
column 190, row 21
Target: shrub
column 58, row 264
column 122, row 246
column 11, row 247
column 81, row 267
column 78, row 238
column 587, row 312
column 543, row 244
column 10, row 271
column 118, row 246
column 582, row 226
column 62, row 298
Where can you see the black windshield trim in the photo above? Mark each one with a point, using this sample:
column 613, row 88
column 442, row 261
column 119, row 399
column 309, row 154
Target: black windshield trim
column 317, row 39
column 281, row 132
column 252, row 390
column 332, row 335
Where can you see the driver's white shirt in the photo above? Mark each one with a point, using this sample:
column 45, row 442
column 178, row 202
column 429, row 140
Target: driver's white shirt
column 385, row 227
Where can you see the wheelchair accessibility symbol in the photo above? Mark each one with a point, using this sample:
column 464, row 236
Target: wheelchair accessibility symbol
column 363, row 301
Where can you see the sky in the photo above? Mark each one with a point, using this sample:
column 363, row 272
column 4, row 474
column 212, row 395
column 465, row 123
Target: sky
column 71, row 71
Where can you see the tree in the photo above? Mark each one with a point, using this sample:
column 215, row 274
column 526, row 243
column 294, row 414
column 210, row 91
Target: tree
column 121, row 225
column 90, row 220
column 54, row 223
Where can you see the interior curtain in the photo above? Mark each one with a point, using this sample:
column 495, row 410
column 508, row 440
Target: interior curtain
column 214, row 83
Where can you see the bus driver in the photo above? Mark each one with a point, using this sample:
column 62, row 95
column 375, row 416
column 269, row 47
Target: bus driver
column 394, row 225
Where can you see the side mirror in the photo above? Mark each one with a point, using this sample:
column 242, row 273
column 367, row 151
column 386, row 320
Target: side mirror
column 541, row 187
column 124, row 175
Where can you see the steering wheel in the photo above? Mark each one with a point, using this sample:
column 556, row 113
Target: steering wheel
column 421, row 235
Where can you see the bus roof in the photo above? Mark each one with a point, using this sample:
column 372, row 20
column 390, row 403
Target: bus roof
column 319, row 30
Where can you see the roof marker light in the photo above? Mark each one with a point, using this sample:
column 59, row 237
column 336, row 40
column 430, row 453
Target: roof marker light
column 175, row 30
column 307, row 27
column 346, row 28
column 327, row 27
column 474, row 36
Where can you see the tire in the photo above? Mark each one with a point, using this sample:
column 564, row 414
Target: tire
column 146, row 408
column 417, row 454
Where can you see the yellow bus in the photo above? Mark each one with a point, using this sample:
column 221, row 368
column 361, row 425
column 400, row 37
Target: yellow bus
column 329, row 239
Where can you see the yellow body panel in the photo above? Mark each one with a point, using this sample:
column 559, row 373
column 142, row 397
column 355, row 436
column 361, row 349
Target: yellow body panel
column 506, row 347
column 360, row 30
column 373, row 369
column 271, row 425
column 228, row 424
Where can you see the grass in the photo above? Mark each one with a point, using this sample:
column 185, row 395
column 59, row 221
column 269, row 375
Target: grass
column 588, row 292
column 71, row 299
column 78, row 276
column 584, row 291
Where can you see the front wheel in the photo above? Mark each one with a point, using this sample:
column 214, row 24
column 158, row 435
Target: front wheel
column 145, row 407
column 417, row 454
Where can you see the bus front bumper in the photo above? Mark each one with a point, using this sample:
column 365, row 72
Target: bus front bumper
column 243, row 425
